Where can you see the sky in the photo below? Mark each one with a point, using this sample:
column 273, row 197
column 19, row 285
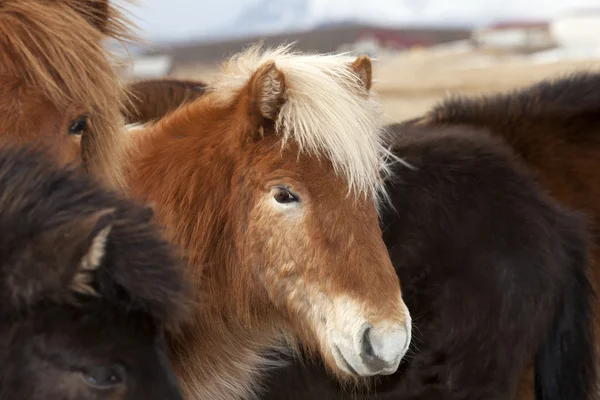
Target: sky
column 186, row 19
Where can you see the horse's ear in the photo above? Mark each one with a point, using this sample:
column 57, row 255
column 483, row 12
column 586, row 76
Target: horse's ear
column 91, row 261
column 96, row 12
column 267, row 92
column 82, row 245
column 90, row 251
column 363, row 68
column 56, row 264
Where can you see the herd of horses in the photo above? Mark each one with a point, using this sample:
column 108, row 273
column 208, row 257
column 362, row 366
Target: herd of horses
column 266, row 235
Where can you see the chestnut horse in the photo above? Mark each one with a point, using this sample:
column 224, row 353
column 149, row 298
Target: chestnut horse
column 497, row 343
column 270, row 183
column 57, row 81
column 87, row 285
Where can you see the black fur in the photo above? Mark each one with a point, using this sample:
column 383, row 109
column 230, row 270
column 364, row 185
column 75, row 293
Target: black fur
column 553, row 127
column 564, row 366
column 53, row 340
column 574, row 95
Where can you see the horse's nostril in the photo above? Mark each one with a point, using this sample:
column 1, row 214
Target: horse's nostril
column 367, row 348
column 382, row 348
column 368, row 356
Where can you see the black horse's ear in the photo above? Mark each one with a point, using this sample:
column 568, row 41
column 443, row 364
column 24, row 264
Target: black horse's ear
column 82, row 243
column 95, row 250
column 96, row 12
column 56, row 264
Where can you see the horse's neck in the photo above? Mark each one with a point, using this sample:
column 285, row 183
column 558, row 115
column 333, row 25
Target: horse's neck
column 186, row 181
column 216, row 360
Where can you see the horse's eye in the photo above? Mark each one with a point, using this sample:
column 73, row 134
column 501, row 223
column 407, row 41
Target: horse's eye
column 284, row 196
column 79, row 125
column 104, row 377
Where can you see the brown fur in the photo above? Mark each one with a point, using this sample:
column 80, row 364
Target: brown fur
column 207, row 168
column 54, row 69
column 363, row 67
column 153, row 99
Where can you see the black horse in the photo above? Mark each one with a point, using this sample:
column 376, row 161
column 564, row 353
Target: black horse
column 87, row 287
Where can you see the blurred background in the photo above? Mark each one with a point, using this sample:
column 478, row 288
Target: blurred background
column 425, row 49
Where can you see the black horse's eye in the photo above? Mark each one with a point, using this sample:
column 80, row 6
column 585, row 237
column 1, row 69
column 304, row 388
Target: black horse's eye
column 79, row 125
column 284, row 196
column 104, row 377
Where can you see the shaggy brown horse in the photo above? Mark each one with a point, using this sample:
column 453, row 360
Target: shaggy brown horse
column 57, row 81
column 87, row 285
column 270, row 183
column 484, row 356
column 153, row 99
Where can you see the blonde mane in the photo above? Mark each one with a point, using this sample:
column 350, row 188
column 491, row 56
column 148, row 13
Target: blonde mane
column 327, row 111
column 53, row 47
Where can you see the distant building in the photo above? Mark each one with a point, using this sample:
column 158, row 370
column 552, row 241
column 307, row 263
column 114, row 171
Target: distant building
column 148, row 67
column 357, row 38
column 377, row 41
column 578, row 32
column 519, row 37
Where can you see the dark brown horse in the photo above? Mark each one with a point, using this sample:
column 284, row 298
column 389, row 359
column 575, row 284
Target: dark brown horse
column 87, row 285
column 554, row 129
column 153, row 99
column 473, row 243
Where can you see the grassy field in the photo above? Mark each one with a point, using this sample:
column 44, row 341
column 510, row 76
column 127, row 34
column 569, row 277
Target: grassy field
column 410, row 83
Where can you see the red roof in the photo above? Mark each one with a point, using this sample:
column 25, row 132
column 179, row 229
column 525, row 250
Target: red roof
column 516, row 25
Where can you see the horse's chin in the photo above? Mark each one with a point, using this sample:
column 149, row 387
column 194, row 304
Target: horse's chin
column 348, row 379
